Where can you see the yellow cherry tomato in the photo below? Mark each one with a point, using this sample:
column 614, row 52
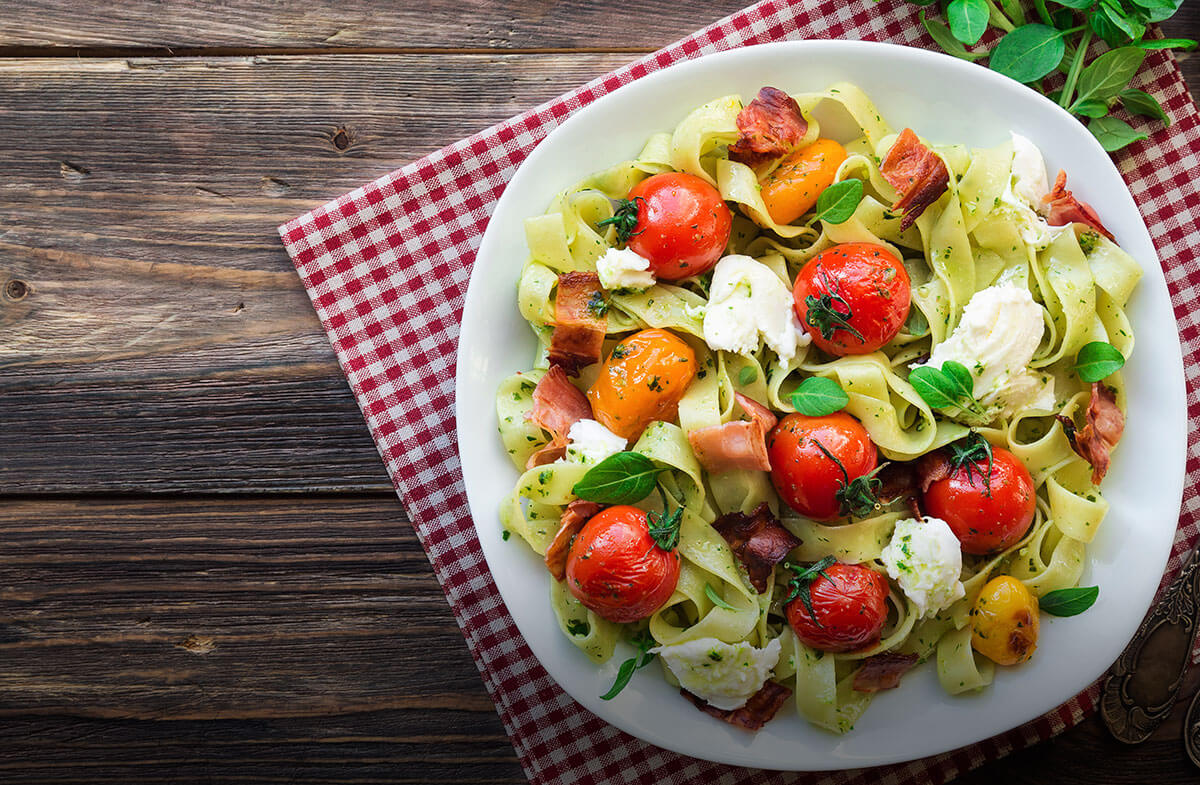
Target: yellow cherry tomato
column 792, row 189
column 642, row 380
column 1004, row 621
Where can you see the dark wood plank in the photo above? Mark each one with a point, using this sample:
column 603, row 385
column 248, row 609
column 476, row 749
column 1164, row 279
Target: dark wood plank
column 156, row 335
column 326, row 24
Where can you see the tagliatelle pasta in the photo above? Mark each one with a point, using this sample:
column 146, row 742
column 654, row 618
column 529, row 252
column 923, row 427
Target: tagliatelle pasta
column 976, row 236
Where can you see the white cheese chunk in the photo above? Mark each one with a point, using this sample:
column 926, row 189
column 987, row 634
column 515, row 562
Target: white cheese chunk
column 996, row 338
column 747, row 303
column 925, row 558
column 723, row 674
column 590, row 442
column 624, row 269
column 1028, row 171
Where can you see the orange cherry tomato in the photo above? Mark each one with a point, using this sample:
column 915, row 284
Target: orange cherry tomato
column 808, row 479
column 616, row 569
column 793, row 188
column 642, row 380
column 683, row 224
column 849, row 609
column 988, row 508
column 852, row 298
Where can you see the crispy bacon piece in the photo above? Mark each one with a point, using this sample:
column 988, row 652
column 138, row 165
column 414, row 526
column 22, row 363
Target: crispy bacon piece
column 1062, row 208
column 758, row 711
column 574, row 517
column 768, row 128
column 758, row 540
column 739, row 444
column 932, row 467
column 580, row 322
column 900, row 481
column 917, row 174
column 1103, row 430
column 557, row 405
column 883, row 672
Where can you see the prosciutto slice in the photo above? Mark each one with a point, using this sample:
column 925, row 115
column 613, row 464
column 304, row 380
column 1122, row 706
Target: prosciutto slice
column 769, row 127
column 883, row 672
column 758, row 711
column 580, row 322
column 758, row 540
column 573, row 518
column 1103, row 429
column 917, row 174
column 557, row 405
column 1062, row 208
column 741, row 444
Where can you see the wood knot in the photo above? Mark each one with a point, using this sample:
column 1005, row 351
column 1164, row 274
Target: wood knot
column 16, row 289
column 197, row 644
column 341, row 138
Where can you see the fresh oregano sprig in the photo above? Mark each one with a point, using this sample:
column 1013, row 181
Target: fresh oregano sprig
column 802, row 581
column 858, row 497
column 969, row 453
column 1055, row 36
column 950, row 387
column 624, row 218
column 830, row 312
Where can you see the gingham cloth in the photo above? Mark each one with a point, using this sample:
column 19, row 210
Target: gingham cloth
column 387, row 267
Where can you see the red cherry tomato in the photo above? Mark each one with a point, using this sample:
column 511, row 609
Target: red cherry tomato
column 807, row 479
column 849, row 609
column 987, row 510
column 616, row 569
column 683, row 225
column 860, row 294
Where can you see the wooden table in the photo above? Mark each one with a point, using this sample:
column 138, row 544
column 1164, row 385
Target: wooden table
column 204, row 574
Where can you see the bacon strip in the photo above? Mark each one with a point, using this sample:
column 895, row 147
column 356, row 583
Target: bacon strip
column 883, row 672
column 574, row 517
column 758, row 540
column 739, row 444
column 917, row 174
column 1103, row 430
column 758, row 711
column 580, row 322
column 768, row 128
column 932, row 467
column 1062, row 208
column 557, row 405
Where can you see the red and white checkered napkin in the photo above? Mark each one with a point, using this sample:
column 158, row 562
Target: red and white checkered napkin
column 387, row 268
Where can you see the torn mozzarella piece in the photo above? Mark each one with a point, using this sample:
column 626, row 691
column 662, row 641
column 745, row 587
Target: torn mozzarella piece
column 724, row 675
column 925, row 558
column 589, row 442
column 747, row 303
column 624, row 269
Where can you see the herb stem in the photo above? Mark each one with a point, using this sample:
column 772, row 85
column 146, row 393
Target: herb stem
column 1068, row 92
column 1043, row 13
column 997, row 18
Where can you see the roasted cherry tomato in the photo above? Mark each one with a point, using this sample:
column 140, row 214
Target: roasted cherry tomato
column 849, row 607
column 792, row 189
column 642, row 380
column 682, row 224
column 616, row 569
column 989, row 508
column 815, row 462
column 1004, row 621
column 852, row 298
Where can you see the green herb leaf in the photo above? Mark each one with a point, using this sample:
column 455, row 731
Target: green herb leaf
column 802, row 580
column 624, row 218
column 716, row 599
column 643, row 642
column 1152, row 5
column 747, row 375
column 1140, row 102
column 578, row 627
column 1013, row 10
column 964, row 383
column 1160, row 13
column 1098, row 360
column 916, row 324
column 942, row 36
column 1090, row 108
column 624, row 478
column 859, row 497
column 664, row 529
column 818, row 396
column 1069, row 602
column 1132, row 27
column 838, row 202
column 1108, row 74
column 1185, row 44
column 1108, row 32
column 1078, row 5
column 1113, row 133
column 1028, row 53
column 933, row 387
column 968, row 19
column 971, row 452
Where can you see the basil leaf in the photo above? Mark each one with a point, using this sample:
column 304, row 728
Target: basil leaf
column 933, row 387
column 624, row 478
column 747, row 375
column 961, row 380
column 818, row 396
column 916, row 324
column 1028, row 53
column 968, row 19
column 1114, row 134
column 1108, row 32
column 1109, row 73
column 1078, row 5
column 1162, row 12
column 942, row 36
column 1167, row 43
column 1129, row 25
column 1151, row 5
column 1140, row 102
column 1069, row 602
column 838, row 202
column 1063, row 19
column 1098, row 360
column 1090, row 108
column 1013, row 10
column 716, row 599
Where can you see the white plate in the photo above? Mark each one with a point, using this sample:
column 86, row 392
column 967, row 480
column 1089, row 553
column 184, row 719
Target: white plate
column 945, row 100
